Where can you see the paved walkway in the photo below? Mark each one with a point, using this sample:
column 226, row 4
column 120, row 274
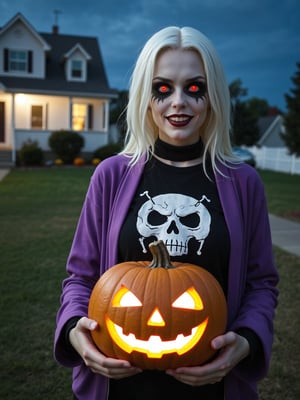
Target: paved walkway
column 3, row 173
column 285, row 234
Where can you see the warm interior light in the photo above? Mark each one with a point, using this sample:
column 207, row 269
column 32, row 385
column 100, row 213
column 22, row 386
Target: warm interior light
column 125, row 298
column 155, row 347
column 156, row 319
column 190, row 299
column 20, row 98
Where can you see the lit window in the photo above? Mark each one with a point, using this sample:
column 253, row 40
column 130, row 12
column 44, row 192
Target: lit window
column 82, row 117
column 76, row 69
column 79, row 114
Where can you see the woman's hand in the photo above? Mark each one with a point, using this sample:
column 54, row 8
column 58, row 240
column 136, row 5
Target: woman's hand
column 232, row 349
column 82, row 342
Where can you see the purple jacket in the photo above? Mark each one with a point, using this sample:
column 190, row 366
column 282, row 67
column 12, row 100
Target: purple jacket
column 252, row 293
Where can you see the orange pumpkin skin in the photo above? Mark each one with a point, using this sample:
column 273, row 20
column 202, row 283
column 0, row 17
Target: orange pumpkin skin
column 152, row 322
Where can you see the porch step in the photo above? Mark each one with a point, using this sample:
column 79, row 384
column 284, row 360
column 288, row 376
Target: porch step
column 6, row 158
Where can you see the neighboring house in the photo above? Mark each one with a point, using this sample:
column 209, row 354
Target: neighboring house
column 270, row 129
column 48, row 82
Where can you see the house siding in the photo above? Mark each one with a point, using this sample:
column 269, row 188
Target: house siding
column 92, row 140
column 6, row 141
column 58, row 112
column 20, row 38
column 47, row 85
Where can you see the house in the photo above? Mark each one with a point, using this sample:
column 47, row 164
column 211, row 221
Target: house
column 48, row 82
column 270, row 128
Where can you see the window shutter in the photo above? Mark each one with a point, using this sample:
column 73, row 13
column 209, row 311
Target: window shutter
column 5, row 60
column 90, row 116
column 29, row 68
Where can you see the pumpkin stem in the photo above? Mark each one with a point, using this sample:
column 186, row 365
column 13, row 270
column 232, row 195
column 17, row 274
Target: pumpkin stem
column 161, row 257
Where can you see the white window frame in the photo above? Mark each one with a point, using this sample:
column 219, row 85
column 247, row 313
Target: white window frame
column 70, row 70
column 74, row 69
column 15, row 60
column 44, row 111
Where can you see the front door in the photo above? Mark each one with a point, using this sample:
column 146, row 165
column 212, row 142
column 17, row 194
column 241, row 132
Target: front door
column 2, row 122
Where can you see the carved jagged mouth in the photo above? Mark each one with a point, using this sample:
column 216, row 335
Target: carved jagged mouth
column 155, row 347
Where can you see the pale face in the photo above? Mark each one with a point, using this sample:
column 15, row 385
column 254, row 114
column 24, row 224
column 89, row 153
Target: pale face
column 179, row 100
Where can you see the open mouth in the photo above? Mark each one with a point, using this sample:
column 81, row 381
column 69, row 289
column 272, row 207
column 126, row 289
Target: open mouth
column 155, row 347
column 179, row 120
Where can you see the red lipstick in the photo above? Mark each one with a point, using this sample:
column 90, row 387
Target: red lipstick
column 179, row 120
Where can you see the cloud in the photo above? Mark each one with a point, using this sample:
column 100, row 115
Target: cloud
column 258, row 41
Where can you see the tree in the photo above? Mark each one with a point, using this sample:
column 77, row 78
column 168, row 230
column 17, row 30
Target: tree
column 244, row 125
column 292, row 118
column 258, row 107
column 118, row 112
column 244, row 120
column 237, row 91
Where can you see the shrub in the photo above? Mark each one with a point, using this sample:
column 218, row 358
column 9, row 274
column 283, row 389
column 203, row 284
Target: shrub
column 107, row 151
column 66, row 144
column 31, row 154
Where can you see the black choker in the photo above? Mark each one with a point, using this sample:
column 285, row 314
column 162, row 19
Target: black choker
column 178, row 153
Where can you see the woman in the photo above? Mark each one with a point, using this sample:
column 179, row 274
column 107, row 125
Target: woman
column 177, row 150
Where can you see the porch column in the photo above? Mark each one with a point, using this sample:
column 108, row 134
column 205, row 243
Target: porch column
column 106, row 113
column 13, row 129
column 70, row 113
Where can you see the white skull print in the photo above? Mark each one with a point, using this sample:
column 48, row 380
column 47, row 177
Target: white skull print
column 172, row 223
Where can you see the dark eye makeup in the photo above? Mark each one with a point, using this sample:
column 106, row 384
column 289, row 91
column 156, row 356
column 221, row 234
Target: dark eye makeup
column 196, row 89
column 161, row 90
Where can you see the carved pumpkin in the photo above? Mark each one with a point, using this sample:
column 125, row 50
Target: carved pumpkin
column 158, row 315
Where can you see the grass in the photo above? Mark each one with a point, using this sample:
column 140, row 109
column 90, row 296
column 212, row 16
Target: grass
column 282, row 381
column 38, row 213
column 283, row 194
column 39, row 209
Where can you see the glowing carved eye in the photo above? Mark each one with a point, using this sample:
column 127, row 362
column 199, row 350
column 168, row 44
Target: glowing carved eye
column 125, row 298
column 190, row 299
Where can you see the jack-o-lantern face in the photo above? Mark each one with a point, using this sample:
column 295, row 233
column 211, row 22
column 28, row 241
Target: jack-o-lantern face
column 155, row 347
column 158, row 317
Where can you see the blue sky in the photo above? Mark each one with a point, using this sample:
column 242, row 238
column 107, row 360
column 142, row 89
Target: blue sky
column 258, row 40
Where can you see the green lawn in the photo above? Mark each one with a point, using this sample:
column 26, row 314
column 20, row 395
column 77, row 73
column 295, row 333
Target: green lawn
column 39, row 209
column 283, row 193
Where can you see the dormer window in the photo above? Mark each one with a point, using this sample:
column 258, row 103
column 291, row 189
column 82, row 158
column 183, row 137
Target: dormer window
column 76, row 63
column 77, row 69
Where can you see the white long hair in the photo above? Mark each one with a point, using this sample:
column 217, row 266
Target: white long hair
column 141, row 129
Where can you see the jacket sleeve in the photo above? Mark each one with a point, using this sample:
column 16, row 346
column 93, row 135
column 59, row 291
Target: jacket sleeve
column 260, row 278
column 83, row 267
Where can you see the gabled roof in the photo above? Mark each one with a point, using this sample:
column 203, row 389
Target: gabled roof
column 268, row 126
column 55, row 81
column 79, row 48
column 264, row 123
column 22, row 19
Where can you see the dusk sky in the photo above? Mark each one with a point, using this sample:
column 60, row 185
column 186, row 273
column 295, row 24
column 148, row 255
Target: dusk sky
column 258, row 40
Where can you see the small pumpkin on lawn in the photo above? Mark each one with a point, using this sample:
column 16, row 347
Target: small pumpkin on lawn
column 158, row 315
column 78, row 161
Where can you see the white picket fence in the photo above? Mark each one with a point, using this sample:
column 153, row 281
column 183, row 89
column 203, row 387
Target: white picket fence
column 276, row 159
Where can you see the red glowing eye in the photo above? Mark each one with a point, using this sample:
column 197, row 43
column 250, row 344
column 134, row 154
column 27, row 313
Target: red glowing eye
column 194, row 88
column 163, row 89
